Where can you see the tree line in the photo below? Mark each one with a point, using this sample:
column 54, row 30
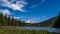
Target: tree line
column 7, row 21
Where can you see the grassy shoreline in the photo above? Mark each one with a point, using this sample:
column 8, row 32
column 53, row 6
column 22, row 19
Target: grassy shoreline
column 13, row 30
column 9, row 30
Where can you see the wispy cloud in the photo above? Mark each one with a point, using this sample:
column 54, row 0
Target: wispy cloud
column 36, row 5
column 5, row 11
column 14, row 4
column 37, row 19
column 18, row 17
column 43, row 17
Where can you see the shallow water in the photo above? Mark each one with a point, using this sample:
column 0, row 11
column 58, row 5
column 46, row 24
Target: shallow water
column 41, row 28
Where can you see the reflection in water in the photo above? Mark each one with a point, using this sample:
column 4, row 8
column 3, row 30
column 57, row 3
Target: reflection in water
column 58, row 30
column 41, row 28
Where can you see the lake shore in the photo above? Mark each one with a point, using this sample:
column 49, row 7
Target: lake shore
column 13, row 30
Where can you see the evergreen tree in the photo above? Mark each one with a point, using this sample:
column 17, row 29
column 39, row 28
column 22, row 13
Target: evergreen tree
column 7, row 21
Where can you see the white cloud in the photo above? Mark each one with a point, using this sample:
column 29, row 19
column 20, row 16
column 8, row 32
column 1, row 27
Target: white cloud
column 19, row 5
column 16, row 7
column 5, row 12
column 36, row 5
column 18, row 17
column 29, row 21
column 43, row 17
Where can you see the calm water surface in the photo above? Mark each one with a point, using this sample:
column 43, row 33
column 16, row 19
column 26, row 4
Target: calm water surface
column 41, row 28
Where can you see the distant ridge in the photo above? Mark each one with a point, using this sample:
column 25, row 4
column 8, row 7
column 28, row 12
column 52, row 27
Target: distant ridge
column 53, row 22
column 48, row 23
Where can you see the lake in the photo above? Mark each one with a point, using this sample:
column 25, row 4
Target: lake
column 41, row 28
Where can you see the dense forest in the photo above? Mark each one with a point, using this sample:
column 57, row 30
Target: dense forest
column 7, row 21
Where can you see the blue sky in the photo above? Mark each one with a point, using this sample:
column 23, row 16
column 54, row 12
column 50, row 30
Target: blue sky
column 30, row 10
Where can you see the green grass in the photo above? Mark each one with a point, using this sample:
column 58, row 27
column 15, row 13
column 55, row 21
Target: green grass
column 13, row 30
column 9, row 30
